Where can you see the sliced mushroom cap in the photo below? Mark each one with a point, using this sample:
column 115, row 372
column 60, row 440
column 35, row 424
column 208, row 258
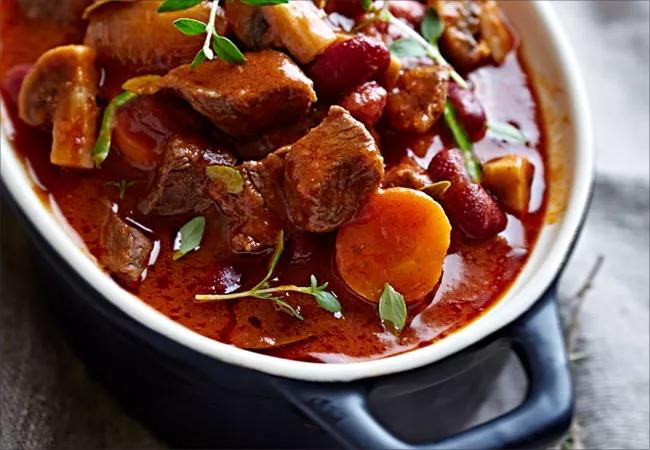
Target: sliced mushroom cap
column 60, row 91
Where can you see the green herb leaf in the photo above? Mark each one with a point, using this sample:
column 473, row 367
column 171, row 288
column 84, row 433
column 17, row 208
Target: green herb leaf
column 407, row 47
column 264, row 2
column 227, row 50
column 191, row 235
column 366, row 4
column 472, row 163
column 432, row 26
column 122, row 186
column 327, row 301
column 273, row 262
column 392, row 307
column 506, row 132
column 198, row 59
column 228, row 176
column 103, row 142
column 177, row 5
column 437, row 189
column 190, row 27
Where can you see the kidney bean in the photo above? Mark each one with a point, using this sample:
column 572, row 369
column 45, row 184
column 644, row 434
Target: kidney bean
column 346, row 64
column 13, row 80
column 349, row 8
column 469, row 111
column 410, row 11
column 467, row 204
column 366, row 102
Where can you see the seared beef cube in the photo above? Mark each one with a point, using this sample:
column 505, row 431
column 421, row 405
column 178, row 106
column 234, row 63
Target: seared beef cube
column 245, row 100
column 330, row 172
column 406, row 174
column 179, row 185
column 418, row 100
column 125, row 249
column 255, row 213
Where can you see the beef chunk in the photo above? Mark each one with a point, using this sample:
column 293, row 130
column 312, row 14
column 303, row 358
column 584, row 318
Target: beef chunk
column 406, row 174
column 125, row 249
column 329, row 172
column 245, row 100
column 180, row 181
column 256, row 213
column 418, row 100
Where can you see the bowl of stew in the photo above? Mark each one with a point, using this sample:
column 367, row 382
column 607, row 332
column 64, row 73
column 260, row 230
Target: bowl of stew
column 325, row 192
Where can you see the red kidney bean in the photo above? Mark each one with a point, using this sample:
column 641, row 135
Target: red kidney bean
column 346, row 64
column 467, row 204
column 410, row 11
column 469, row 111
column 366, row 103
column 349, row 8
column 13, row 80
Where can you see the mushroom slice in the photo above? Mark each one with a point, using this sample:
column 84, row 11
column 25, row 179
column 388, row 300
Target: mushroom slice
column 60, row 91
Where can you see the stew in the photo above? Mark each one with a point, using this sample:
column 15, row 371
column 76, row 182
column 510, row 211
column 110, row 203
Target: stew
column 327, row 181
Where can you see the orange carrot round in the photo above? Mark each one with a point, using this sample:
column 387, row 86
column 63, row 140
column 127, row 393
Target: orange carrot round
column 399, row 236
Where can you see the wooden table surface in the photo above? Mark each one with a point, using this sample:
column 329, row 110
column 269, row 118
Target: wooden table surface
column 47, row 398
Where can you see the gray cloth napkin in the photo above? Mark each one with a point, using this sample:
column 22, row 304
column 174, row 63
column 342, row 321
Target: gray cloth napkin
column 48, row 400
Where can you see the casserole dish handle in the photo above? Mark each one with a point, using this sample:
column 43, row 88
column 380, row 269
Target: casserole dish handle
column 546, row 412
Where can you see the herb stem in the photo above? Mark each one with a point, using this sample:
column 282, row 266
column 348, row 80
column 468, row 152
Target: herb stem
column 210, row 30
column 254, row 293
column 432, row 50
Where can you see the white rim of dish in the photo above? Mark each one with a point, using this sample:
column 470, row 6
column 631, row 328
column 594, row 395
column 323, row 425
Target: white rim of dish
column 20, row 188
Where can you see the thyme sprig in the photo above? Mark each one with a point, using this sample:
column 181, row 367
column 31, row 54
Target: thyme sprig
column 214, row 43
column 432, row 28
column 263, row 290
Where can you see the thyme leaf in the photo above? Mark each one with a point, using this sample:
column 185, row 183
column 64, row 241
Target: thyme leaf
column 392, row 307
column 191, row 235
column 122, row 186
column 177, row 5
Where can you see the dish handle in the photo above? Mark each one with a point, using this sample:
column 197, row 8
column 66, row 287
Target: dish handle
column 546, row 412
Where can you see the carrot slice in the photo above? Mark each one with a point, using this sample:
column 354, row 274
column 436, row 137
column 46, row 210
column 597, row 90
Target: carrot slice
column 400, row 236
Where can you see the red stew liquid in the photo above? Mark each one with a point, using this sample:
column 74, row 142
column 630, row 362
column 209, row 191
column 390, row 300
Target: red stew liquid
column 476, row 273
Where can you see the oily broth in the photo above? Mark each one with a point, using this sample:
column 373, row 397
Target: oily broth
column 476, row 273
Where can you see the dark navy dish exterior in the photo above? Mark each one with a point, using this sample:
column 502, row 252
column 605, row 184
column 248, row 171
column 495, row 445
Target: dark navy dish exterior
column 191, row 400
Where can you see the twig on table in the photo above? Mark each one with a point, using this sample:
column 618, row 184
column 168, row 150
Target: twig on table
column 579, row 298
column 573, row 438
